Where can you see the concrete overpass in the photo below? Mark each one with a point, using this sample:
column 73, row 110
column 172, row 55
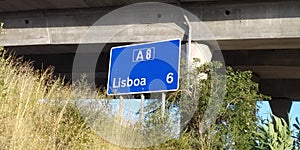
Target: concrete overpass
column 260, row 35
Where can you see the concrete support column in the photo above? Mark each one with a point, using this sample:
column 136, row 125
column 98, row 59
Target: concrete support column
column 281, row 107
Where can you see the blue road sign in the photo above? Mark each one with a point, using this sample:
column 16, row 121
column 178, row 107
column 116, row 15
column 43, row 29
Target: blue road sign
column 144, row 68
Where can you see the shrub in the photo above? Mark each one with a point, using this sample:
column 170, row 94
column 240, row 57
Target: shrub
column 273, row 135
column 235, row 122
column 297, row 134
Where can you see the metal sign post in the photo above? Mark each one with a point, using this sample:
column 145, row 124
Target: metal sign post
column 189, row 42
column 142, row 107
column 121, row 109
column 188, row 50
column 163, row 104
column 188, row 53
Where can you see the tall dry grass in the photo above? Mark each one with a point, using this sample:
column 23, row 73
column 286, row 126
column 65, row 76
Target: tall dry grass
column 38, row 111
column 35, row 112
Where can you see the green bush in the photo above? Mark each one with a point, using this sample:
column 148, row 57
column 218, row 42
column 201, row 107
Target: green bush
column 297, row 132
column 235, row 122
column 274, row 135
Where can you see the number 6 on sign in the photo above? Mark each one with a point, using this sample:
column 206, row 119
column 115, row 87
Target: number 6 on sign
column 169, row 78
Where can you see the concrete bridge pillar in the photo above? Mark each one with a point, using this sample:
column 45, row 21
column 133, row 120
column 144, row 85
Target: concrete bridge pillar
column 281, row 107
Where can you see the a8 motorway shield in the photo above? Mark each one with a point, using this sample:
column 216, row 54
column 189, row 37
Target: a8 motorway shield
column 144, row 68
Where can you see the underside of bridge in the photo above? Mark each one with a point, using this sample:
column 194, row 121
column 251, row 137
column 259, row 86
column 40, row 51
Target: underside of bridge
column 258, row 35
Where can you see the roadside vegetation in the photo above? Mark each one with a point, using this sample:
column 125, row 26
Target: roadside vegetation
column 37, row 111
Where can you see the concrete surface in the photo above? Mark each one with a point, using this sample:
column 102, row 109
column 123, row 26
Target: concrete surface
column 249, row 25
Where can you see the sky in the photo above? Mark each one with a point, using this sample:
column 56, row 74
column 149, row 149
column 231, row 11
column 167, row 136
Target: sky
column 295, row 111
column 265, row 110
